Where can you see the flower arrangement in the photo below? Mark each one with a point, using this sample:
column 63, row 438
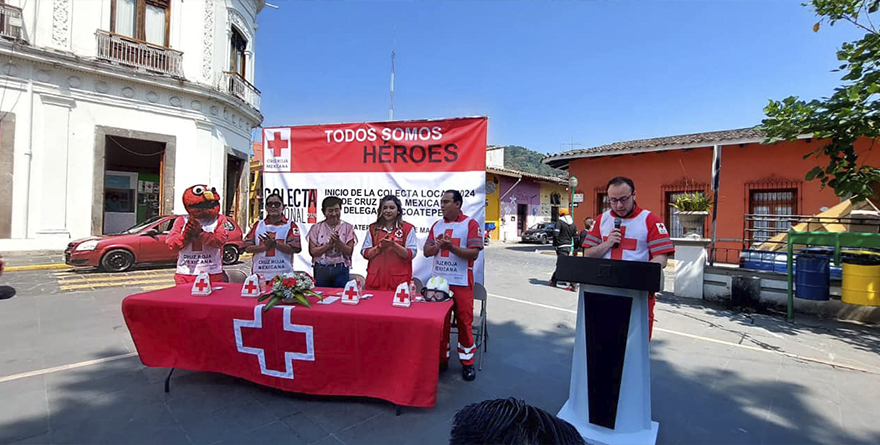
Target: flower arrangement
column 290, row 288
column 692, row 202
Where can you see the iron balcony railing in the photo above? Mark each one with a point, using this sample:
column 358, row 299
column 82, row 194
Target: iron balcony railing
column 142, row 56
column 11, row 24
column 233, row 84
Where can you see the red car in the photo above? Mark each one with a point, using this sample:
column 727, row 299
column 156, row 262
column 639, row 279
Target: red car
column 143, row 243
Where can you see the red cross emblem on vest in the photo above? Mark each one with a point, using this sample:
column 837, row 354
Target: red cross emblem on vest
column 455, row 242
column 277, row 343
column 625, row 244
column 278, row 144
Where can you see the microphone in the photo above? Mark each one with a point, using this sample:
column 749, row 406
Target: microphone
column 616, row 226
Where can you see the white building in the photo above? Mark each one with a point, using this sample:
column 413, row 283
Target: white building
column 110, row 109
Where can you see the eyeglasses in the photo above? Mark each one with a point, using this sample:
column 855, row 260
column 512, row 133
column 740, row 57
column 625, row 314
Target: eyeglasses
column 273, row 204
column 619, row 200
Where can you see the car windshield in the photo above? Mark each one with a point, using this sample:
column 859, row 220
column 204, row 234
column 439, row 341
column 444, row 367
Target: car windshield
column 539, row 226
column 139, row 227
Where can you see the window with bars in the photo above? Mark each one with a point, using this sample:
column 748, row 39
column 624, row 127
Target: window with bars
column 144, row 20
column 773, row 205
column 673, row 225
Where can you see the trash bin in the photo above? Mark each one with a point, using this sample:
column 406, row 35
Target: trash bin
column 861, row 278
column 812, row 276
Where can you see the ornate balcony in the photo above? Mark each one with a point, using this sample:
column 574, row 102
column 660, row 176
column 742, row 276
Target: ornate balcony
column 143, row 56
column 11, row 24
column 233, row 84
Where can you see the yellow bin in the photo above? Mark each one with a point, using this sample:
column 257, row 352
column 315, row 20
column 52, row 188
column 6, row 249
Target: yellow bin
column 861, row 278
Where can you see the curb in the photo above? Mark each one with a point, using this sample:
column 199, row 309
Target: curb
column 36, row 267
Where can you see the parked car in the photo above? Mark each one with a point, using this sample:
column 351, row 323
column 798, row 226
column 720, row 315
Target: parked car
column 143, row 243
column 539, row 233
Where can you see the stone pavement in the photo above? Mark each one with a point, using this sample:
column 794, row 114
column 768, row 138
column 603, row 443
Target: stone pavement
column 68, row 375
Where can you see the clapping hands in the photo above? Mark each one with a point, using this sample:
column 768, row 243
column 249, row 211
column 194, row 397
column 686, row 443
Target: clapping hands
column 268, row 241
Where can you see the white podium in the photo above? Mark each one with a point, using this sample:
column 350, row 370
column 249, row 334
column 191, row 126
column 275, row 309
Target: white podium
column 609, row 400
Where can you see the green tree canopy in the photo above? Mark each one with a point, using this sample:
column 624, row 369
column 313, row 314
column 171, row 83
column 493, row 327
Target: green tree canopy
column 849, row 114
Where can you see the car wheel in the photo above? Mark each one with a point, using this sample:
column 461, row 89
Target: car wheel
column 230, row 255
column 544, row 239
column 117, row 260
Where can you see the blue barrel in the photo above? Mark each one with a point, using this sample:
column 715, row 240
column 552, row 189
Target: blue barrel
column 751, row 259
column 813, row 277
column 780, row 263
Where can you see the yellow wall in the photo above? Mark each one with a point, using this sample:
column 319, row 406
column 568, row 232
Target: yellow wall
column 546, row 190
column 493, row 213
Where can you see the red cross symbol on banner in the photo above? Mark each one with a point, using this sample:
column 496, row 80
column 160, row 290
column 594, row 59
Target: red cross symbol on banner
column 625, row 244
column 401, row 296
column 277, row 144
column 270, row 252
column 351, row 293
column 280, row 344
column 455, row 242
column 202, row 284
column 250, row 287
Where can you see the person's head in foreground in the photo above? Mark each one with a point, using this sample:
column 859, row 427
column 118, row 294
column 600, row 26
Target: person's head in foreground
column 510, row 421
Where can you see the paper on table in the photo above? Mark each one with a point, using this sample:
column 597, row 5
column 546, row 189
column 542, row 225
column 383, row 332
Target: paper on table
column 328, row 300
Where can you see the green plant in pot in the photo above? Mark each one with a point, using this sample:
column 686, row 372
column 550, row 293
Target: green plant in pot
column 693, row 208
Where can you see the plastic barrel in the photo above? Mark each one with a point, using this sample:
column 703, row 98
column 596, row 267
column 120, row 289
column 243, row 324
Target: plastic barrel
column 751, row 260
column 813, row 277
column 861, row 278
column 780, row 263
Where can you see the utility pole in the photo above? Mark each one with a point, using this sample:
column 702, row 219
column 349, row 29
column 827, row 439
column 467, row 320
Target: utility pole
column 391, row 110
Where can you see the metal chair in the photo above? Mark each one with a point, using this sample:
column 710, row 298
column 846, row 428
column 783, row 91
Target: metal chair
column 236, row 276
column 480, row 326
column 361, row 281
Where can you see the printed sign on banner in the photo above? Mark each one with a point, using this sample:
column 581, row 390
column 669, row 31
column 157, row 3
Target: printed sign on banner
column 362, row 162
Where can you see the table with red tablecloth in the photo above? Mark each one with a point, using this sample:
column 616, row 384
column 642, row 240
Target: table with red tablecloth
column 371, row 349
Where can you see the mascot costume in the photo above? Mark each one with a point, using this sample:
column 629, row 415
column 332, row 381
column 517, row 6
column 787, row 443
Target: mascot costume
column 199, row 236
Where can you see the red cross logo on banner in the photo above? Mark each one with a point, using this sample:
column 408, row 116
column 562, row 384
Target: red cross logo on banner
column 202, row 284
column 270, row 252
column 625, row 244
column 401, row 296
column 275, row 341
column 455, row 241
column 278, row 144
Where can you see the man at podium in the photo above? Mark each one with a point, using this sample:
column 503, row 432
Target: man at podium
column 628, row 232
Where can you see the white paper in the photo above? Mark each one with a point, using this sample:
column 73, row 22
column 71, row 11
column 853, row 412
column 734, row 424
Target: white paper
column 328, row 300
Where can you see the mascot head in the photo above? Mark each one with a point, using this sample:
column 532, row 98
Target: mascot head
column 201, row 202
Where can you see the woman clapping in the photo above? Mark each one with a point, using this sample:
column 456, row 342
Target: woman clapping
column 390, row 247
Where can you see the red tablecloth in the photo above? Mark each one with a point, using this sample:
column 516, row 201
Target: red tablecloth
column 372, row 349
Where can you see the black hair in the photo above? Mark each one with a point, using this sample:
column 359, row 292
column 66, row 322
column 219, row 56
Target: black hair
column 456, row 195
column 399, row 220
column 621, row 180
column 274, row 195
column 330, row 201
column 510, row 421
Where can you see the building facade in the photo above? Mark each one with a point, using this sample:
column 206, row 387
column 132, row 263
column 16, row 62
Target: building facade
column 110, row 109
column 755, row 179
column 517, row 200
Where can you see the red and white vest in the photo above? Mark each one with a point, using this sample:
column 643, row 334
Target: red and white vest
column 634, row 243
column 446, row 264
column 272, row 262
column 196, row 257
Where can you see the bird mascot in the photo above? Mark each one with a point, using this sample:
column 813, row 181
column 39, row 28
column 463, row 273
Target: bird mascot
column 199, row 236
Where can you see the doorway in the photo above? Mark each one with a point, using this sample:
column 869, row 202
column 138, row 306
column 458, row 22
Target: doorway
column 521, row 212
column 133, row 182
column 231, row 201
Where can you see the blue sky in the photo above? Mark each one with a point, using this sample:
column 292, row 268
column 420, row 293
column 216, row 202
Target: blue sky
column 545, row 73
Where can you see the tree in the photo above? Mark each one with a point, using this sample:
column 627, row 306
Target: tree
column 849, row 114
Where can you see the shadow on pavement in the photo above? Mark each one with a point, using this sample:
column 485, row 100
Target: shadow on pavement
column 694, row 399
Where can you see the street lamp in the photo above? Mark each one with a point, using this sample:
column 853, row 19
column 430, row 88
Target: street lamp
column 572, row 184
